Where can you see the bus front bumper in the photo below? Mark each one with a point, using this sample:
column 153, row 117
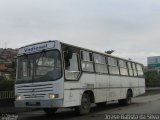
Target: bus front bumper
column 39, row 103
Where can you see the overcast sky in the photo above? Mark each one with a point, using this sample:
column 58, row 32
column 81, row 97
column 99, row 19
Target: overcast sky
column 130, row 27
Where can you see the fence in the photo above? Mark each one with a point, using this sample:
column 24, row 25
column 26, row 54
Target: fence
column 7, row 95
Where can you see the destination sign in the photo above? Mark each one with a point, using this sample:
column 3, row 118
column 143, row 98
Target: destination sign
column 36, row 48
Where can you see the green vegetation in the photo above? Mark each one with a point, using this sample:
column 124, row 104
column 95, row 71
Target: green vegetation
column 2, row 78
column 152, row 79
column 7, row 85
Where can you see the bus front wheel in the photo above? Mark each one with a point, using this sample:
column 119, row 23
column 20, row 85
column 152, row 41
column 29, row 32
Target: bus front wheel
column 50, row 111
column 85, row 106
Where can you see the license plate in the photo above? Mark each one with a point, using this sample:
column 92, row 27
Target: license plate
column 32, row 103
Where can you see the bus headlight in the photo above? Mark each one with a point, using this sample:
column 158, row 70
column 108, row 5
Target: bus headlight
column 18, row 97
column 52, row 96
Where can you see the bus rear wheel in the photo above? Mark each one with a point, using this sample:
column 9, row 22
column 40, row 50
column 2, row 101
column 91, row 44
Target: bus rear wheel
column 50, row 111
column 85, row 106
column 127, row 101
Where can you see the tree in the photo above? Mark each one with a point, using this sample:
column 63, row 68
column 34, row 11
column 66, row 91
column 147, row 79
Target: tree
column 152, row 79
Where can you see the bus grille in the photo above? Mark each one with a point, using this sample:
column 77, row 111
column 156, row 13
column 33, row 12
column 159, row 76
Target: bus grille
column 35, row 91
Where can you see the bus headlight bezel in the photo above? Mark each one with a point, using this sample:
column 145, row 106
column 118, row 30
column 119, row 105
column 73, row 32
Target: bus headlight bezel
column 18, row 97
column 52, row 96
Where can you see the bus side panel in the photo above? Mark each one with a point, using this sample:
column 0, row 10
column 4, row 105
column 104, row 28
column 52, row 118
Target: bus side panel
column 125, row 84
column 73, row 90
column 134, row 86
column 133, row 83
column 101, row 88
column 114, row 92
column 71, row 93
column 141, row 85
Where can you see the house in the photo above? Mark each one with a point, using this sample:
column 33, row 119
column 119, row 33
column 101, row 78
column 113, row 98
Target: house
column 7, row 57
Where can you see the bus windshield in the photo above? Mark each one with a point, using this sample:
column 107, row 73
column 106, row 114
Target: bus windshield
column 39, row 67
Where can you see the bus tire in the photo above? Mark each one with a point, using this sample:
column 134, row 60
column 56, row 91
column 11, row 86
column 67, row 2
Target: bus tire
column 85, row 106
column 127, row 101
column 50, row 111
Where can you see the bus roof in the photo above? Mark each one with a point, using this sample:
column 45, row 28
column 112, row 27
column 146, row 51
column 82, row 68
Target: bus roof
column 79, row 48
column 98, row 52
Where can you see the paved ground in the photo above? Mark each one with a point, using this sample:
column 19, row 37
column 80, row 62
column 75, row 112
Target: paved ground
column 141, row 105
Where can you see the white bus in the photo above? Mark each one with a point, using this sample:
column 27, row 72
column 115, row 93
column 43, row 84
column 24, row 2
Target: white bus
column 53, row 74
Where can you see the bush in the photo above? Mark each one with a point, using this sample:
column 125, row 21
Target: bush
column 2, row 78
column 7, row 85
column 152, row 79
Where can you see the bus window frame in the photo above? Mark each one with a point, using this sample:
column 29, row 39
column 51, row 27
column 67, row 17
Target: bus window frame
column 32, row 81
column 81, row 60
column 80, row 51
column 123, row 67
column 117, row 65
column 105, row 63
column 139, row 70
column 134, row 69
column 79, row 68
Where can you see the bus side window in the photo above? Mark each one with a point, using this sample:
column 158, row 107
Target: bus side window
column 130, row 69
column 87, row 61
column 134, row 69
column 139, row 70
column 100, row 63
column 72, row 69
column 123, row 67
column 113, row 66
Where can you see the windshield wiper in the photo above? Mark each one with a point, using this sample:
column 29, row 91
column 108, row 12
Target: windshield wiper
column 40, row 56
column 25, row 55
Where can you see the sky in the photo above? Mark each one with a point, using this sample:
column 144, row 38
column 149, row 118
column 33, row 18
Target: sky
column 130, row 27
